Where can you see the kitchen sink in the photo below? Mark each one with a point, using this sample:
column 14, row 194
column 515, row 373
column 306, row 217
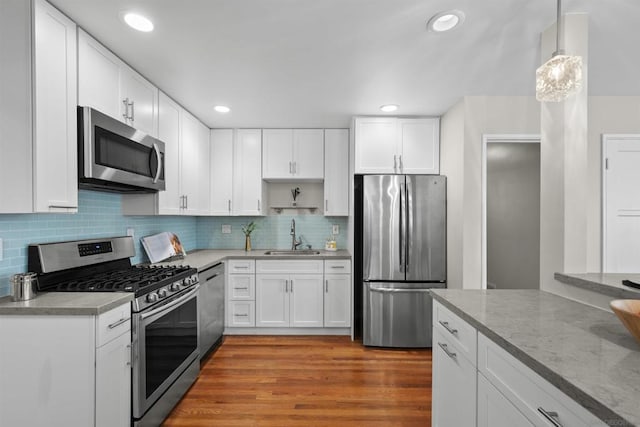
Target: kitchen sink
column 296, row 252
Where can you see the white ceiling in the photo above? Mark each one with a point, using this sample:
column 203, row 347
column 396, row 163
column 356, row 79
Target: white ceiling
column 316, row 63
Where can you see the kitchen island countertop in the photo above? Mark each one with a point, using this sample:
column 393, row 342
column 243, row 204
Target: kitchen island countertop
column 583, row 351
column 605, row 283
column 65, row 303
column 205, row 258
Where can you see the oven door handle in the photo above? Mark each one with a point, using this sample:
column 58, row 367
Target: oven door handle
column 173, row 303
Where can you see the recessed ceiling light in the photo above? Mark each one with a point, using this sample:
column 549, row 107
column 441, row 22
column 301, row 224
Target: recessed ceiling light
column 445, row 21
column 138, row 22
column 222, row 108
column 388, row 108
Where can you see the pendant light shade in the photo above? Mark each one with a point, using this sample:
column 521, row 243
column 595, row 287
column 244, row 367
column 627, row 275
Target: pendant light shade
column 561, row 76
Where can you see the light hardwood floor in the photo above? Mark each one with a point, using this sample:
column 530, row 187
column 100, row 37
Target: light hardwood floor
column 308, row 381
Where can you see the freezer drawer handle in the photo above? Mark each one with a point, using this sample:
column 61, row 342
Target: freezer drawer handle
column 446, row 350
column 551, row 416
column 397, row 290
column 448, row 328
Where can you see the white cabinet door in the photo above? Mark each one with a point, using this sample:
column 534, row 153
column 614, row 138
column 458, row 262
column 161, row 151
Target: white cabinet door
column 337, row 300
column 143, row 101
column 272, row 300
column 308, row 154
column 420, row 146
column 376, row 145
column 169, row 133
column 277, row 153
column 247, row 172
column 454, row 385
column 98, row 77
column 306, row 300
column 55, row 140
column 194, row 165
column 113, row 382
column 495, row 410
column 221, row 171
column 336, row 172
column 202, row 204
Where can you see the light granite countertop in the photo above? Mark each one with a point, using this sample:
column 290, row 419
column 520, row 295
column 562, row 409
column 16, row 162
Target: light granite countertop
column 605, row 283
column 65, row 303
column 205, row 258
column 583, row 351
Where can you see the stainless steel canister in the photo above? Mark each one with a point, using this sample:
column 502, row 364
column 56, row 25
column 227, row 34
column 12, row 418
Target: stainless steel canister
column 24, row 286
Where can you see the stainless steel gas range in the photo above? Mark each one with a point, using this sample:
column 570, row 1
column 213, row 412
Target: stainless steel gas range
column 165, row 354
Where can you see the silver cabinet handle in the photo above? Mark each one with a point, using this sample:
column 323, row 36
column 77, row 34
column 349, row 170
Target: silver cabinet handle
column 290, row 168
column 125, row 115
column 552, row 417
column 295, row 168
column 337, row 266
column 186, row 202
column 258, row 205
column 448, row 328
column 241, row 267
column 326, row 205
column 244, row 289
column 229, row 203
column 241, row 315
column 326, row 286
column 118, row 323
column 133, row 109
column 401, row 165
column 129, row 350
column 395, row 163
column 446, row 350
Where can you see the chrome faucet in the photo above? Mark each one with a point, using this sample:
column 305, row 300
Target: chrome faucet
column 294, row 242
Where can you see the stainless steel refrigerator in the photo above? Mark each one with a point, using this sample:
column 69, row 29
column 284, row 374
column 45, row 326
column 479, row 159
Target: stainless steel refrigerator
column 403, row 232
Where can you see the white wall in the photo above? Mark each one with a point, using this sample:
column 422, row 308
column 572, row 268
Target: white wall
column 461, row 161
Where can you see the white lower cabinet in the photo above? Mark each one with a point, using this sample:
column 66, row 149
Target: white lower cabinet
column 240, row 293
column 337, row 293
column 478, row 383
column 76, row 369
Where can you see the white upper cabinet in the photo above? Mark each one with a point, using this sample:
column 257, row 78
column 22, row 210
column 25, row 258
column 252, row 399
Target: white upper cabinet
column 336, row 172
column 194, row 165
column 292, row 154
column 388, row 145
column 109, row 85
column 221, row 171
column 247, row 172
column 38, row 125
column 169, row 200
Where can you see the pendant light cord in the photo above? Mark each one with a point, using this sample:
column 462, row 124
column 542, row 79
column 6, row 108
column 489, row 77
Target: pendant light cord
column 558, row 51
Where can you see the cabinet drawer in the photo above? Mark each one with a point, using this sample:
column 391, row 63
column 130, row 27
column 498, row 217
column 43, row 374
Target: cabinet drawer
column 242, row 314
column 337, row 266
column 290, row 266
column 241, row 266
column 462, row 335
column 113, row 323
column 528, row 391
column 242, row 287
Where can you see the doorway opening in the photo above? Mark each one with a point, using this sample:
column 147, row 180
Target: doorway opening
column 511, row 212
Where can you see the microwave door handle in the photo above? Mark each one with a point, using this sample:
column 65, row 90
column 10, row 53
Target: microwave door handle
column 159, row 168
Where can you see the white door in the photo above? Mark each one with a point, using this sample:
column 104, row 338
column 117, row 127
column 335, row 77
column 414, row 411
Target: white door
column 272, row 300
column 495, row 410
column 55, row 140
column 277, row 153
column 336, row 172
column 189, row 161
column 376, row 145
column 247, row 172
column 420, row 146
column 454, row 386
column 306, row 300
column 143, row 100
column 98, row 77
column 337, row 300
column 308, row 153
column 169, row 133
column 221, row 171
column 621, row 204
column 113, row 382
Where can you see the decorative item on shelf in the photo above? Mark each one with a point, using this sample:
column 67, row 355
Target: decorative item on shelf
column 247, row 230
column 560, row 76
column 294, row 193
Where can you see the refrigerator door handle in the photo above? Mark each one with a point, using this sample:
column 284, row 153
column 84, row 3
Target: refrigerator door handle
column 408, row 229
column 401, row 234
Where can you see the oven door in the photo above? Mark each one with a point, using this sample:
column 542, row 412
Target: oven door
column 115, row 152
column 165, row 341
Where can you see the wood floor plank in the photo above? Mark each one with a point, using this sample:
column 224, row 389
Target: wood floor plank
column 308, row 381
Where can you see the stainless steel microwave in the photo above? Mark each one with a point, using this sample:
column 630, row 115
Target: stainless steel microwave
column 113, row 156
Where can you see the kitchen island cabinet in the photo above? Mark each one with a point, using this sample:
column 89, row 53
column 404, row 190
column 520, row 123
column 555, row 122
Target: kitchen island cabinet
column 543, row 359
column 38, row 98
column 71, row 363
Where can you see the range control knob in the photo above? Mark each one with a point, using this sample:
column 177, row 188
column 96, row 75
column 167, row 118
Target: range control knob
column 162, row 293
column 188, row 281
column 152, row 297
column 175, row 287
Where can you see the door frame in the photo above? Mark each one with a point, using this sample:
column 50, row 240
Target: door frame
column 606, row 137
column 486, row 140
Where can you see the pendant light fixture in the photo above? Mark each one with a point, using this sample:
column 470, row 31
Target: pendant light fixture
column 560, row 76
